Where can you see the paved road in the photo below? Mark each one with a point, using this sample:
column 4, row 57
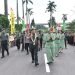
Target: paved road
column 18, row 63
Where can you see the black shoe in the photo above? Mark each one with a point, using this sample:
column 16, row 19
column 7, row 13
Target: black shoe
column 32, row 61
column 37, row 64
column 2, row 57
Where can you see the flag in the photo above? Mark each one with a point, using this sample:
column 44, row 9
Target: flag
column 12, row 21
column 23, row 25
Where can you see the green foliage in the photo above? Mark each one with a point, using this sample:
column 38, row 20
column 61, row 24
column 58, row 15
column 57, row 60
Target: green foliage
column 71, row 26
column 51, row 6
column 18, row 27
column 53, row 22
column 4, row 22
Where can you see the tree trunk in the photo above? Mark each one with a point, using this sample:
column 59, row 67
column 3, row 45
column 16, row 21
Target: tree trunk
column 26, row 14
column 29, row 20
column 50, row 18
column 6, row 8
column 22, row 9
column 17, row 13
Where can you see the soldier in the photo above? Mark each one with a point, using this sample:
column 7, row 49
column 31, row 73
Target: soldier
column 34, row 42
column 4, row 43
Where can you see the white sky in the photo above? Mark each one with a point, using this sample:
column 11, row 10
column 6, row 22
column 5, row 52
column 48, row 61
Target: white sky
column 39, row 8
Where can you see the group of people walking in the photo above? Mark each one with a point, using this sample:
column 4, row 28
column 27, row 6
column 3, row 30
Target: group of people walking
column 31, row 42
column 54, row 44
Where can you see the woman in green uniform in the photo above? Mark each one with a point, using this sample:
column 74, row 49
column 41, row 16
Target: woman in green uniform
column 49, row 47
column 57, row 43
column 62, row 42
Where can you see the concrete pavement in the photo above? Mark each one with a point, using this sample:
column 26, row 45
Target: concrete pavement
column 18, row 63
column 65, row 63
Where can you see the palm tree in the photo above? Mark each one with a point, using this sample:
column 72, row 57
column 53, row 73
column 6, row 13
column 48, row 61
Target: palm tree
column 6, row 8
column 53, row 21
column 27, row 1
column 30, row 12
column 51, row 8
column 23, row 1
column 64, row 20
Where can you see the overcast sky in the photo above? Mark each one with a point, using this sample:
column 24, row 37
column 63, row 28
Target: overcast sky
column 39, row 8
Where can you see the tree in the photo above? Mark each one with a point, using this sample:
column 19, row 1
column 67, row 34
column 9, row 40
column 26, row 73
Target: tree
column 4, row 22
column 30, row 12
column 71, row 26
column 53, row 22
column 51, row 8
column 18, row 27
column 32, row 23
column 27, row 1
column 64, row 18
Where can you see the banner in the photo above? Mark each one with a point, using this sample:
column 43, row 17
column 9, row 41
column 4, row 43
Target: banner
column 12, row 21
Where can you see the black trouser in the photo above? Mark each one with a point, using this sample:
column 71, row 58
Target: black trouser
column 34, row 53
column 41, row 43
column 18, row 43
column 65, row 43
column 26, row 47
column 4, row 45
column 22, row 46
column 74, row 43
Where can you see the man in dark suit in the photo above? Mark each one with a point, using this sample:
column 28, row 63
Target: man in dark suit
column 34, row 42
